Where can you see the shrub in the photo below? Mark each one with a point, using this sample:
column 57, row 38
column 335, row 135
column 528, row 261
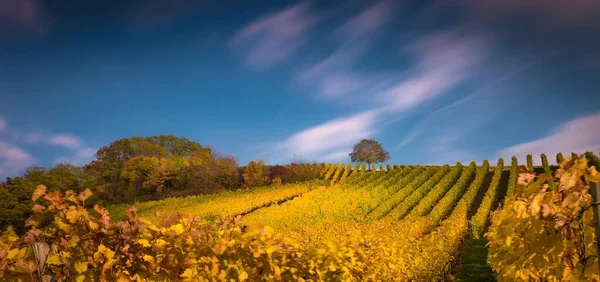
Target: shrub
column 256, row 174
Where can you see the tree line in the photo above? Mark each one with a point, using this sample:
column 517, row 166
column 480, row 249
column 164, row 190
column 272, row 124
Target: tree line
column 145, row 168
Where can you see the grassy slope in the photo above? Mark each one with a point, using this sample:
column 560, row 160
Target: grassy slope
column 474, row 265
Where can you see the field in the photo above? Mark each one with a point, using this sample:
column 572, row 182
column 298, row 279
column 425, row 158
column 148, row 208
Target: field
column 388, row 223
column 417, row 217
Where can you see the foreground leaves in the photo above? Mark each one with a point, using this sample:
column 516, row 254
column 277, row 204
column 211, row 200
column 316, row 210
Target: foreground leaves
column 546, row 232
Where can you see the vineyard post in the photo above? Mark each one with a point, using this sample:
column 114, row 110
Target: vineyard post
column 595, row 191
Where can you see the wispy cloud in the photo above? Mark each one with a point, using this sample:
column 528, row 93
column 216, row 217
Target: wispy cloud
column 275, row 37
column 152, row 15
column 443, row 59
column 15, row 145
column 65, row 140
column 25, row 15
column 13, row 159
column 577, row 135
column 81, row 157
column 335, row 75
column 370, row 19
column 329, row 140
column 448, row 112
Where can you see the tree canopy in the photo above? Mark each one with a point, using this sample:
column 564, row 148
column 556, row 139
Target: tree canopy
column 369, row 151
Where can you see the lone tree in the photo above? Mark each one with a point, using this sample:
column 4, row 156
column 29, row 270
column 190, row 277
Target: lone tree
column 369, row 151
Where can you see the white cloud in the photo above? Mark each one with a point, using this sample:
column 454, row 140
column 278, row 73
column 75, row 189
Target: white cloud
column 25, row 15
column 13, row 159
column 33, row 138
column 65, row 140
column 368, row 20
column 334, row 75
column 274, row 37
column 330, row 141
column 579, row 135
column 443, row 60
column 3, row 124
column 80, row 158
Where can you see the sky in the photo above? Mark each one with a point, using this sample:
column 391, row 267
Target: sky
column 434, row 81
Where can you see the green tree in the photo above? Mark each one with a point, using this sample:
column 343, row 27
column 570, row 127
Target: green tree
column 256, row 174
column 202, row 171
column 369, row 151
column 227, row 173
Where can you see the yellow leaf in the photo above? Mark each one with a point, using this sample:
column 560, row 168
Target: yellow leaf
column 188, row 273
column 80, row 278
column 92, row 225
column 508, row 241
column 243, row 276
column 178, row 228
column 81, row 267
column 53, row 260
column 12, row 253
column 148, row 258
column 144, row 242
column 40, row 190
column 85, row 195
column 161, row 243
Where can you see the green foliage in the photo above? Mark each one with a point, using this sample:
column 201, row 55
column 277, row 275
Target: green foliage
column 337, row 173
column 369, row 151
column 480, row 219
column 530, row 162
column 331, row 171
column 393, row 206
column 545, row 163
column 469, row 197
column 512, row 181
column 325, row 169
column 592, row 159
column 574, row 155
column 256, row 174
column 547, row 234
column 227, row 173
column 422, row 199
column 442, row 207
column 363, row 168
column 559, row 158
column 388, row 167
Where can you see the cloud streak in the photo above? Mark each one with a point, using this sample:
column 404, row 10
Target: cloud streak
column 81, row 157
column 574, row 136
column 334, row 76
column 273, row 38
column 25, row 15
column 443, row 60
column 68, row 141
column 13, row 159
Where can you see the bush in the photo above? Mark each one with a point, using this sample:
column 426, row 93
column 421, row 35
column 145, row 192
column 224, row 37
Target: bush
column 256, row 174
column 227, row 173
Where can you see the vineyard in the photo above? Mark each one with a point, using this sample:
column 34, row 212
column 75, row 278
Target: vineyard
column 358, row 222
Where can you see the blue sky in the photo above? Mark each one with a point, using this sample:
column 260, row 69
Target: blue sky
column 434, row 81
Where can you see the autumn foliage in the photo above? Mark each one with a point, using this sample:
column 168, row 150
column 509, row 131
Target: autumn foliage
column 546, row 231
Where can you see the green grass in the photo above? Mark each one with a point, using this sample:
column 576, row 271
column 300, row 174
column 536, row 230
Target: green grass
column 474, row 264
